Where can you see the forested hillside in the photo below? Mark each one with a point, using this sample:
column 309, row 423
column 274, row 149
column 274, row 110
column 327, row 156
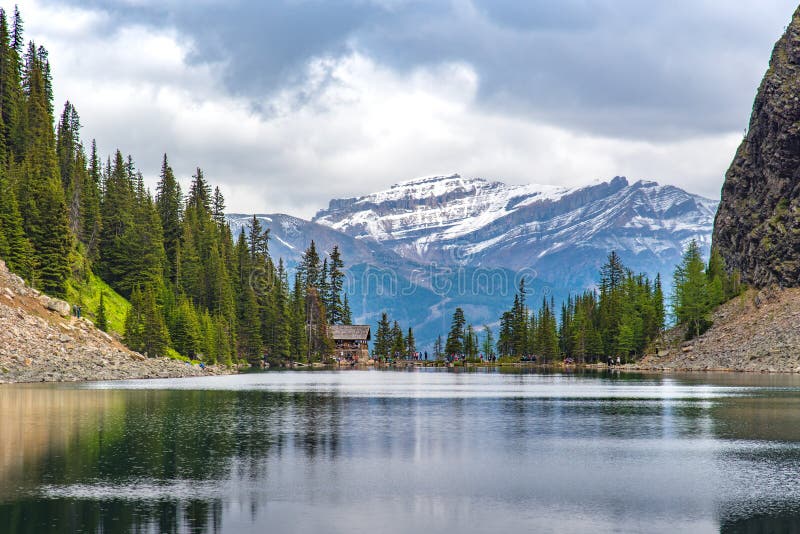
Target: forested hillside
column 68, row 215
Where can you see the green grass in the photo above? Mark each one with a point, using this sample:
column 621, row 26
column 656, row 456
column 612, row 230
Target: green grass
column 175, row 355
column 86, row 293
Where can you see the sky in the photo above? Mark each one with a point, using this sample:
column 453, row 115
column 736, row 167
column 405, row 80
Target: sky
column 286, row 104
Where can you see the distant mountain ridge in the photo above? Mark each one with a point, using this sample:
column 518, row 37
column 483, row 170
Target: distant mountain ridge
column 425, row 246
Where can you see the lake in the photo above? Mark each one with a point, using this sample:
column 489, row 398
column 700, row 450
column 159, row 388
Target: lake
column 403, row 451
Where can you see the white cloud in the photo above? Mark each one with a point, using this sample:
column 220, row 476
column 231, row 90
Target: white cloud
column 351, row 126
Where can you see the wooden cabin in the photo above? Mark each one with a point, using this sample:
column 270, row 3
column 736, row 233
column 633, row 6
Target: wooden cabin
column 352, row 341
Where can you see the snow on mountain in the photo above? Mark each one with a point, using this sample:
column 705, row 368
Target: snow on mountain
column 445, row 207
column 491, row 223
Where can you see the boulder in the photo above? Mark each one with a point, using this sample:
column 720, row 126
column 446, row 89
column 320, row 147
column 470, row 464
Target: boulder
column 59, row 306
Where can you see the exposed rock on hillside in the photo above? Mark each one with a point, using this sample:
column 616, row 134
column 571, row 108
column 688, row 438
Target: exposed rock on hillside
column 758, row 331
column 40, row 342
column 757, row 228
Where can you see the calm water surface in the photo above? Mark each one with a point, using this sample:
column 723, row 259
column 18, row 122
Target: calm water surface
column 396, row 451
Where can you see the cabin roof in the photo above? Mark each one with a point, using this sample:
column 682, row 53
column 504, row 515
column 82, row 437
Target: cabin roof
column 348, row 331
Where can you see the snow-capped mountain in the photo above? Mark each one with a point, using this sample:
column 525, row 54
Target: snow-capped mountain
column 450, row 219
column 423, row 247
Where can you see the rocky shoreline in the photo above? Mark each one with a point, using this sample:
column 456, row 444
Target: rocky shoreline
column 41, row 342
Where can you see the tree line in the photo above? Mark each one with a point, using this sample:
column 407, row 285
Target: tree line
column 621, row 318
column 391, row 342
column 698, row 288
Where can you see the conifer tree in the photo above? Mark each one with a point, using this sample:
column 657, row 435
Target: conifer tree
column 169, row 205
column 218, row 207
column 411, row 343
column 505, row 340
column 470, row 343
column 40, row 194
column 690, row 299
column 398, row 345
column 347, row 316
column 487, row 347
column 298, row 337
column 155, row 337
column 383, row 337
column 199, row 192
column 184, row 329
column 336, row 285
column 248, row 318
column 18, row 251
column 102, row 320
column 455, row 338
column 310, row 268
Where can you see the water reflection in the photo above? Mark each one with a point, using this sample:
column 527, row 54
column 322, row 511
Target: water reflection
column 403, row 452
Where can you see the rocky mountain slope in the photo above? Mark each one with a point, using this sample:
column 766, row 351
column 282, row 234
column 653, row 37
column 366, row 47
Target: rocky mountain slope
column 757, row 228
column 450, row 219
column 41, row 342
column 757, row 331
column 423, row 247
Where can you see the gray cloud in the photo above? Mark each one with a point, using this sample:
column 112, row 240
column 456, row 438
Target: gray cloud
column 624, row 67
column 291, row 102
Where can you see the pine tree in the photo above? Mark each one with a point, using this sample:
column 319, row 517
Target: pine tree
column 310, row 268
column 90, row 206
column 18, row 251
column 40, row 194
column 281, row 325
column 248, row 319
column 487, row 347
column 297, row 332
column 134, row 331
column 383, row 337
column 398, row 344
column 455, row 339
column 347, row 316
column 336, row 307
column 470, row 343
column 505, row 340
column 169, row 205
column 102, row 320
column 411, row 343
column 154, row 330
column 218, row 207
column 184, row 329
column 691, row 300
column 199, row 192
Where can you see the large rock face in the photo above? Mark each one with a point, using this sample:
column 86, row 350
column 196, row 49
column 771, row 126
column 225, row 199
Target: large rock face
column 757, row 228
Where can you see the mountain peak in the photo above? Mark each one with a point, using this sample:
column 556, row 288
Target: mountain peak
column 427, row 180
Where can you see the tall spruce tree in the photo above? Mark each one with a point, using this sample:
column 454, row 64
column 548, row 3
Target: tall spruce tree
column 455, row 338
column 169, row 203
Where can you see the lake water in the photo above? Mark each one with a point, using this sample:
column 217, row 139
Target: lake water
column 396, row 451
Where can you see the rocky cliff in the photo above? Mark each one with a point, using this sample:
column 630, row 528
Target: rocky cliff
column 41, row 342
column 757, row 228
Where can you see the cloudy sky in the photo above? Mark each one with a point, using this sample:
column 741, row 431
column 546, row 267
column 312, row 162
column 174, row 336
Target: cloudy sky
column 288, row 103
